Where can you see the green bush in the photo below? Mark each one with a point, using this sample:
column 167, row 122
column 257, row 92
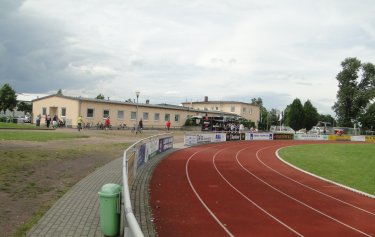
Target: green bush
column 5, row 119
column 191, row 122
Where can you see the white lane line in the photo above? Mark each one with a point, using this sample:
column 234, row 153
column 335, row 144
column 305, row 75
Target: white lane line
column 300, row 202
column 248, row 199
column 200, row 199
column 311, row 188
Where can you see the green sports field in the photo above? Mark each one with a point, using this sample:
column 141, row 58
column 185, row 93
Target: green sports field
column 350, row 164
column 42, row 136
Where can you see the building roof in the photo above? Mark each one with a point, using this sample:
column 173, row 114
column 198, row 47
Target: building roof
column 219, row 102
column 28, row 97
column 161, row 106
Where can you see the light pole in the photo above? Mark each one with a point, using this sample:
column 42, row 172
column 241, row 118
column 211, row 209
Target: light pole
column 136, row 117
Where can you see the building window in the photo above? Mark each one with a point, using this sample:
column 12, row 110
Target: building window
column 232, row 109
column 90, row 113
column 251, row 111
column 105, row 113
column 167, row 117
column 44, row 111
column 205, row 109
column 176, row 117
column 217, row 108
column 156, row 116
column 120, row 114
column 243, row 110
column 145, row 115
column 133, row 115
column 63, row 112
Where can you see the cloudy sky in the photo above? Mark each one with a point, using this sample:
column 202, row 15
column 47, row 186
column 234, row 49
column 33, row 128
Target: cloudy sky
column 174, row 51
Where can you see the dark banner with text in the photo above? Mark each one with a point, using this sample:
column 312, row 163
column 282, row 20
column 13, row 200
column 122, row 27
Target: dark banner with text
column 283, row 136
column 235, row 136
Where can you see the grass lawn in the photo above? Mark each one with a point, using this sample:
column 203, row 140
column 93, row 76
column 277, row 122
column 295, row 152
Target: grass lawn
column 37, row 135
column 19, row 169
column 29, row 173
column 19, row 126
column 350, row 164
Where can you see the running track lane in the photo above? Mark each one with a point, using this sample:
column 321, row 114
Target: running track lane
column 243, row 189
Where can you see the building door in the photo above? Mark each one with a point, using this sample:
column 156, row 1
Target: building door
column 53, row 111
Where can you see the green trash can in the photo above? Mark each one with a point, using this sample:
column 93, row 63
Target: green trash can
column 110, row 209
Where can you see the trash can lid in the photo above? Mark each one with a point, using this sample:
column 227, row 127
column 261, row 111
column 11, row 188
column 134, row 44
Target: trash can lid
column 110, row 190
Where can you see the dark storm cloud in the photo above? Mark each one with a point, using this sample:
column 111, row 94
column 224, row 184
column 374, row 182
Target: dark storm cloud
column 34, row 53
column 28, row 46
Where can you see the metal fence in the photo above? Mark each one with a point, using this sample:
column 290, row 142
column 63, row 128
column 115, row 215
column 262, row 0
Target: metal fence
column 134, row 158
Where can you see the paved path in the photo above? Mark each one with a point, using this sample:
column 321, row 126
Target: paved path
column 77, row 212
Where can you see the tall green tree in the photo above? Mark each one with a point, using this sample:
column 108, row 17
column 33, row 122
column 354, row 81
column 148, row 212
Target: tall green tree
column 286, row 112
column 100, row 97
column 25, row 107
column 264, row 119
column 368, row 119
column 356, row 90
column 8, row 98
column 264, row 116
column 273, row 117
column 327, row 118
column 257, row 101
column 296, row 115
column 311, row 115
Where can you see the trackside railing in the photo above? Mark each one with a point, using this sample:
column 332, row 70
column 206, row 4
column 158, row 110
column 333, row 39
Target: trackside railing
column 134, row 158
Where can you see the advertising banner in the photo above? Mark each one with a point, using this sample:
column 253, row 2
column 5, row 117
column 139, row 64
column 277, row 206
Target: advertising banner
column 152, row 149
column 370, row 138
column 339, row 137
column 235, row 136
column 311, row 137
column 140, row 157
column 190, row 140
column 283, row 136
column 204, row 137
column 165, row 144
column 131, row 170
column 259, row 136
column 358, row 138
column 219, row 137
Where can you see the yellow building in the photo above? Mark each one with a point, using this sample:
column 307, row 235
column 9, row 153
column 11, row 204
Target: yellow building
column 245, row 110
column 95, row 111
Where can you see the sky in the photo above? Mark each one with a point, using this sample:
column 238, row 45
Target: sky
column 175, row 51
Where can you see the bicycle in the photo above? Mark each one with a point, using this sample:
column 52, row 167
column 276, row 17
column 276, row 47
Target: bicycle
column 133, row 129
column 136, row 130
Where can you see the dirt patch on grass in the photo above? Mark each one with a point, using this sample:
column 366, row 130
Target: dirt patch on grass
column 46, row 170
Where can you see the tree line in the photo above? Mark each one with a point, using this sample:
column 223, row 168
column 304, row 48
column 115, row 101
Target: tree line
column 355, row 103
column 296, row 115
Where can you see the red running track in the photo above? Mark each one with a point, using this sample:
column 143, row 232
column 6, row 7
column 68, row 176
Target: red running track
column 243, row 189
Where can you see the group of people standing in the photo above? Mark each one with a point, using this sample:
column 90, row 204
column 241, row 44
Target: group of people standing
column 107, row 125
column 55, row 121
